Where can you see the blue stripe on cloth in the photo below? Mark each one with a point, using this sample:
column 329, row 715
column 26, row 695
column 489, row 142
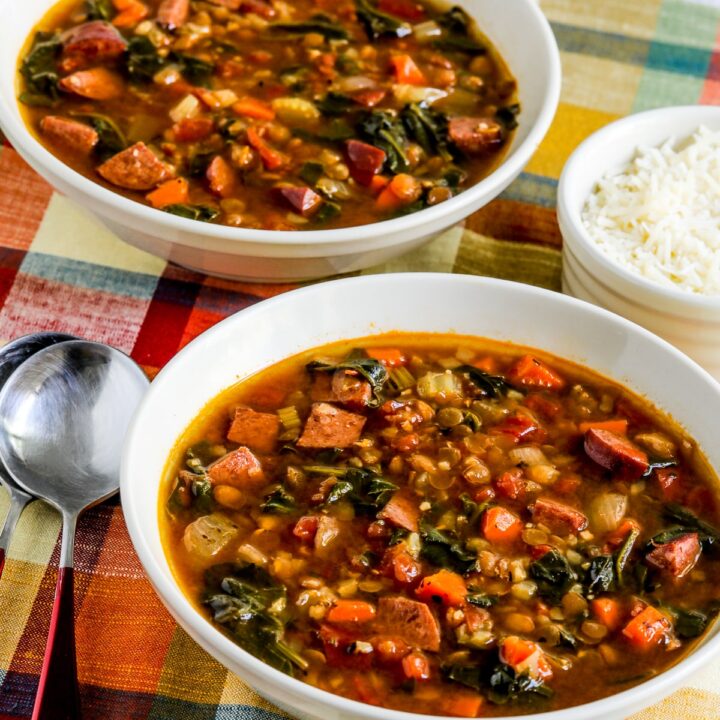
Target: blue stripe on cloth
column 246, row 712
column 533, row 189
column 654, row 55
column 90, row 276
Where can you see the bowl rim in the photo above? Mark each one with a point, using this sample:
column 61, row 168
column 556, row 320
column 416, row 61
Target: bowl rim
column 624, row 130
column 215, row 642
column 194, row 231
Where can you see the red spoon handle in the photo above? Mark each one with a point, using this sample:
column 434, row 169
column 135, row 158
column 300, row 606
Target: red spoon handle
column 2, row 561
column 57, row 694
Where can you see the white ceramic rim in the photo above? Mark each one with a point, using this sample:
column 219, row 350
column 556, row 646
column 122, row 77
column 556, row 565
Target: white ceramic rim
column 622, row 131
column 188, row 617
column 23, row 140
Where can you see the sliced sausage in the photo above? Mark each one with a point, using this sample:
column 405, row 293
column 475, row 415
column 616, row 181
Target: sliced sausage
column 302, row 199
column 475, row 136
column 173, row 13
column 678, row 557
column 221, row 177
column 89, row 44
column 258, row 430
column 402, row 511
column 70, row 134
column 239, row 468
column 343, row 386
column 95, row 84
column 616, row 453
column 365, row 161
column 558, row 516
column 411, row 621
column 135, row 168
column 329, row 427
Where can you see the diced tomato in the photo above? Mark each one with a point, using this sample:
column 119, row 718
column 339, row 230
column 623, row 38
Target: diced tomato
column 528, row 371
column 537, row 551
column 306, row 527
column 369, row 98
column 671, row 484
column 500, row 525
column 399, row 564
column 406, row 71
column 272, row 159
column 351, row 611
column 617, row 537
column 444, row 586
column 521, row 428
column 567, row 484
column 337, row 646
column 525, row 656
column 365, row 161
column 192, row 129
column 484, row 494
column 544, row 405
column 416, row 666
column 647, row 629
column 607, row 611
column 405, row 9
column 510, row 484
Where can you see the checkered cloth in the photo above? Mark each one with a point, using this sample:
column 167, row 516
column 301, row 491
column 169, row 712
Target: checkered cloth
column 61, row 270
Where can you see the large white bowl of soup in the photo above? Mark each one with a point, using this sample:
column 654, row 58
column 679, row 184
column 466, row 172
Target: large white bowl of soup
column 252, row 140
column 420, row 495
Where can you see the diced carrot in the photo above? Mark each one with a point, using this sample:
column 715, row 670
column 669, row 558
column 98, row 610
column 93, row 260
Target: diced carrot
column 647, row 628
column 528, row 371
column 351, row 611
column 444, row 586
column 463, row 705
column 406, row 71
column 169, row 193
column 616, row 537
column 525, row 656
column 390, row 357
column 406, row 187
column 487, row 364
column 378, row 183
column 500, row 525
column 252, row 108
column 416, row 666
column 387, row 200
column 272, row 159
column 616, row 426
column 131, row 14
column 607, row 611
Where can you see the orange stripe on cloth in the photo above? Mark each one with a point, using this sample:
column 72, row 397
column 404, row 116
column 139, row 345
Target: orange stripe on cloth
column 25, row 198
column 513, row 220
column 123, row 630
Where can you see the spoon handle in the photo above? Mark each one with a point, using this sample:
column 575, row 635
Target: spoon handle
column 57, row 695
column 18, row 501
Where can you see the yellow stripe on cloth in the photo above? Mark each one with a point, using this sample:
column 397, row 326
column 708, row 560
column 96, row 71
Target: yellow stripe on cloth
column 685, row 704
column 637, row 18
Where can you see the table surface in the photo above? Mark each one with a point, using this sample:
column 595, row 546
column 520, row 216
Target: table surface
column 61, row 270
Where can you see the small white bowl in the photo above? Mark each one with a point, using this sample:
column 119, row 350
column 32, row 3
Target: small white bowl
column 415, row 302
column 690, row 322
column 517, row 28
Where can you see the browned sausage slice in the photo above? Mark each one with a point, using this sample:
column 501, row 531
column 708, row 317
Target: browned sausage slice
column 410, row 620
column 329, row 427
column 239, row 468
column 343, row 386
column 475, row 136
column 69, row 134
column 616, row 453
column 96, row 84
column 302, row 199
column 173, row 13
column 91, row 43
column 135, row 168
column 402, row 511
column 258, row 430
column 678, row 557
column 559, row 516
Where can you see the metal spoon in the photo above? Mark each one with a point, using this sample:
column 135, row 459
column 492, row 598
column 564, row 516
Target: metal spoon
column 63, row 418
column 12, row 355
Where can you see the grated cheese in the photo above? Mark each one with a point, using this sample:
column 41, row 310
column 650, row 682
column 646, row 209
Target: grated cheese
column 660, row 215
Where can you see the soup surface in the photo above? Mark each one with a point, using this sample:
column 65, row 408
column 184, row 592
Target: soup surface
column 268, row 114
column 441, row 520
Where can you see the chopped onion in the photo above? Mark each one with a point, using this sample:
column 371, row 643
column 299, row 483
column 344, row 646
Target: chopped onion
column 414, row 94
column 208, row 535
column 427, row 31
column 354, row 83
column 607, row 511
column 433, row 384
column 188, row 107
column 528, row 456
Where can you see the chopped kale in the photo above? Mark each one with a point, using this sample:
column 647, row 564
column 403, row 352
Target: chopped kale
column 492, row 386
column 39, row 69
column 507, row 116
column 204, row 213
column 379, row 24
column 99, row 9
column 142, row 59
column 707, row 534
column 553, row 575
column 319, row 23
column 369, row 368
column 311, row 172
column 445, row 551
column 428, row 128
column 279, row 502
column 365, row 489
column 110, row 138
column 600, row 576
column 506, row 685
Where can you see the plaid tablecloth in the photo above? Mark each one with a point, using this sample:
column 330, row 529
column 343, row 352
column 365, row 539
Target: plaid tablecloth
column 61, row 270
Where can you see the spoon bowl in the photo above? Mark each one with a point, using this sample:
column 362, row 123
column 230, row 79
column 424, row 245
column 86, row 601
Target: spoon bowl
column 63, row 417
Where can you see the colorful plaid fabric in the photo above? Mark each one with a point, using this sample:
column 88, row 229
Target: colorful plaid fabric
column 61, row 270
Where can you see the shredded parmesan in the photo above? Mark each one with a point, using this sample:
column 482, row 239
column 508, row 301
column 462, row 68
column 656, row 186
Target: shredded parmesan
column 660, row 215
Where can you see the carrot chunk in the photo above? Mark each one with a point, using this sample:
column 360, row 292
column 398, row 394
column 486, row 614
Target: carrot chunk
column 389, row 357
column 416, row 666
column 406, row 71
column 351, row 611
column 444, row 586
column 388, row 201
column 252, row 108
column 169, row 193
column 525, row 656
column 528, row 371
column 619, row 427
column 607, row 611
column 501, row 526
column 272, row 159
column 647, row 629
